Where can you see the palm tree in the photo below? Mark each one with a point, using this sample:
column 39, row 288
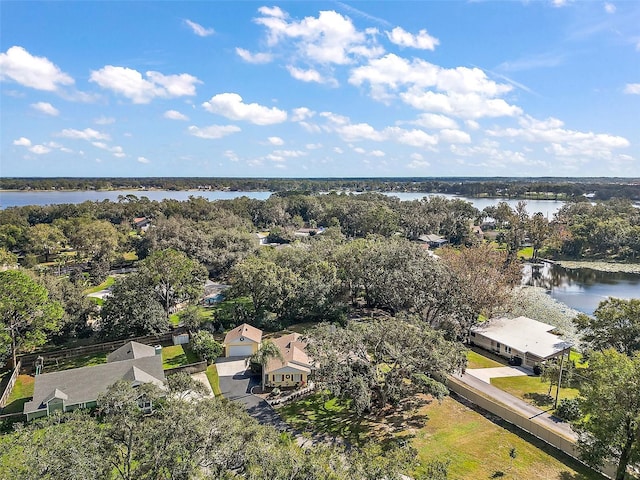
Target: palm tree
column 268, row 351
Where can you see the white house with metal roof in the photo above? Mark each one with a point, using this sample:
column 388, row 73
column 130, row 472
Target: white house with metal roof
column 520, row 337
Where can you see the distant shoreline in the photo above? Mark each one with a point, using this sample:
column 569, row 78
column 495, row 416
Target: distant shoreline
column 601, row 266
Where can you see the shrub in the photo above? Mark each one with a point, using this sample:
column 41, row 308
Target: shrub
column 569, row 409
column 205, row 346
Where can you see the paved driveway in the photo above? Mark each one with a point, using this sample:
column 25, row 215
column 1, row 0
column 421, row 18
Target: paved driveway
column 236, row 384
column 486, row 374
column 228, row 367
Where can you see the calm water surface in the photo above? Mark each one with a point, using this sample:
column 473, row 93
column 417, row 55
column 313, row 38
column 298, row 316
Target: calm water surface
column 20, row 199
column 581, row 289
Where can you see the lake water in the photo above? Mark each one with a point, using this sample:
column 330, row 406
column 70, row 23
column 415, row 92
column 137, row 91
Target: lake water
column 547, row 207
column 581, row 289
column 49, row 197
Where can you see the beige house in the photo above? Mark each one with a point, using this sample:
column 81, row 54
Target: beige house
column 242, row 341
column 521, row 337
column 294, row 368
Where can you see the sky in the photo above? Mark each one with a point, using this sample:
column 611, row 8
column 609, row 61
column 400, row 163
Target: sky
column 320, row 89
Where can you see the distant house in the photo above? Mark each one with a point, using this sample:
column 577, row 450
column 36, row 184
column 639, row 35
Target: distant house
column 520, row 337
column 477, row 231
column 80, row 387
column 434, row 241
column 141, row 223
column 242, row 341
column 263, row 238
column 295, row 366
column 308, row 232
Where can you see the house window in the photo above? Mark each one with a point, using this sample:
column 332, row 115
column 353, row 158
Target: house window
column 498, row 345
column 473, row 334
column 507, row 349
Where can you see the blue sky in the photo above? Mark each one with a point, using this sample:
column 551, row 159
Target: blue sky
column 320, row 89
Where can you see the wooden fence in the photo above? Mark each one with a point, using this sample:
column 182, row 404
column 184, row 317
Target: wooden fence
column 28, row 360
column 554, row 439
column 10, row 385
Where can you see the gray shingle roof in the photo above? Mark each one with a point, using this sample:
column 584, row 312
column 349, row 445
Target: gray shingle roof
column 82, row 385
column 131, row 350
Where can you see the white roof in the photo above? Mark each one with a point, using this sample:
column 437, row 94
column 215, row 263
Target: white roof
column 524, row 334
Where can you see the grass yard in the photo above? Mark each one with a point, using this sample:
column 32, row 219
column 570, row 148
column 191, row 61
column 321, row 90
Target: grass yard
column 532, row 389
column 330, row 416
column 479, row 448
column 214, row 380
column 525, row 253
column 67, row 363
column 174, row 319
column 475, row 360
column 106, row 284
column 476, row 447
column 21, row 393
column 176, row 355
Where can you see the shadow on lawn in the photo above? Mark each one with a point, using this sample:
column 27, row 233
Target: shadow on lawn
column 584, row 472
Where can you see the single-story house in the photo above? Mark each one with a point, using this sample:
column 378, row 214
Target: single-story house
column 521, row 337
column 308, row 232
column 294, row 368
column 242, row 341
column 434, row 241
column 141, row 223
column 80, row 387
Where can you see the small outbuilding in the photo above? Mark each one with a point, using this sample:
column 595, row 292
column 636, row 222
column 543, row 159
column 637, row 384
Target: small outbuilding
column 522, row 338
column 242, row 341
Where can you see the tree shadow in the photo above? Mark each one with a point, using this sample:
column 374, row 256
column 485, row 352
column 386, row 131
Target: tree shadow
column 539, row 399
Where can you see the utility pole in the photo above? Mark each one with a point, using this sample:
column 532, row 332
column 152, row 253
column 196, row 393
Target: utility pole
column 555, row 405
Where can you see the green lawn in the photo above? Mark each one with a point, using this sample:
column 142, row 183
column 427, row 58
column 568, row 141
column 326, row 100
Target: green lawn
column 526, row 253
column 106, row 284
column 174, row 319
column 475, row 360
column 67, row 363
column 479, row 448
column 532, row 390
column 327, row 415
column 176, row 355
column 214, row 380
column 476, row 447
column 21, row 393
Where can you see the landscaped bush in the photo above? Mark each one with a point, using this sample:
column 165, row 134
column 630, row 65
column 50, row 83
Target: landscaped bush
column 569, row 409
column 205, row 346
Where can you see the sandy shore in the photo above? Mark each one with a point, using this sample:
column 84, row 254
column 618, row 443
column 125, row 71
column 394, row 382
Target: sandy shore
column 602, row 266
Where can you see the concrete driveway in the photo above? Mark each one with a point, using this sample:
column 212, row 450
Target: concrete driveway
column 236, row 383
column 228, row 367
column 486, row 374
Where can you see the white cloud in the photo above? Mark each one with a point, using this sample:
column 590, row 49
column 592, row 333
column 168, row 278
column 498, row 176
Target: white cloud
column 414, row 138
column 309, row 75
column 22, row 142
column 199, row 29
column 231, row 155
column 130, row 83
column 313, row 146
column 472, row 124
column 175, row 115
column 632, row 89
column 102, row 120
column 275, row 141
column 31, row 71
column 230, row 105
column 418, row 163
column 331, row 38
column 257, row 58
column 436, row 121
column 88, row 134
column 143, row 160
column 609, row 8
column 454, row 136
column 39, row 149
column 360, row 150
column 302, row 113
column 116, row 150
column 290, row 153
column 422, row 40
column 338, row 150
column 377, row 153
column 559, row 3
column 46, row 108
column 561, row 141
column 213, row 131
column 470, row 105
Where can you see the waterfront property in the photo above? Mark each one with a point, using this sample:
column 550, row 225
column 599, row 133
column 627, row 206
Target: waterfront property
column 294, row 367
column 521, row 338
column 242, row 341
column 80, row 387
